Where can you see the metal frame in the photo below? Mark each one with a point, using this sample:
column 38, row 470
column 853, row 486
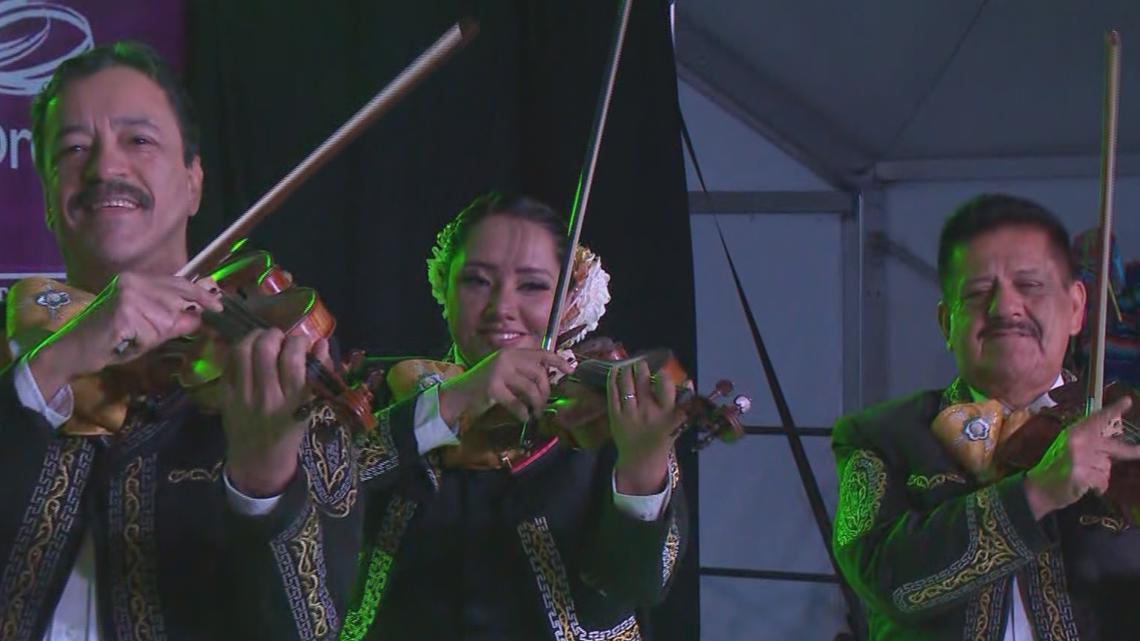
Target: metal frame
column 743, row 92
column 715, row 203
column 862, row 275
column 1020, row 167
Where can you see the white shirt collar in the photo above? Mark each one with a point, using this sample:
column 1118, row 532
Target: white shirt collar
column 1041, row 401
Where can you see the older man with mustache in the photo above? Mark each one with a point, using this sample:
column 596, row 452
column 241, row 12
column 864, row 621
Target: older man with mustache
column 939, row 541
column 223, row 519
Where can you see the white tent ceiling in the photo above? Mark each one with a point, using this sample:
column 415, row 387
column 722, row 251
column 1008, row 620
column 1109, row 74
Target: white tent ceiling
column 892, row 88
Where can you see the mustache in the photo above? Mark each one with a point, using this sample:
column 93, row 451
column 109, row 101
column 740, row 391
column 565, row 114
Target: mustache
column 1028, row 327
column 108, row 190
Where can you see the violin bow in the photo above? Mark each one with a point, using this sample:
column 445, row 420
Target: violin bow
column 451, row 41
column 586, row 179
column 431, row 59
column 1095, row 395
column 582, row 193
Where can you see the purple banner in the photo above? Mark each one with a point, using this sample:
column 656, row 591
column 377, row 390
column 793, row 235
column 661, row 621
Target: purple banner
column 35, row 36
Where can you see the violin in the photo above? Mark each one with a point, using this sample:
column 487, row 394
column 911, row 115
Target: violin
column 1025, row 446
column 576, row 413
column 1022, row 449
column 256, row 293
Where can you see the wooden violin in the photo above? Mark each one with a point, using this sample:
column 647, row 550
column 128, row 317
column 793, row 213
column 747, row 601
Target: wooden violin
column 576, row 412
column 256, row 294
column 1022, row 449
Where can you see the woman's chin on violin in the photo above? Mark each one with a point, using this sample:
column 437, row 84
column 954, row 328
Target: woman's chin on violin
column 571, row 469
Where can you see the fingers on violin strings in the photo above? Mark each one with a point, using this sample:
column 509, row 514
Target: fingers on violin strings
column 291, row 369
column 535, row 372
column 527, row 391
column 239, row 372
column 612, row 393
column 1121, row 451
column 322, row 353
column 266, row 385
column 643, row 386
column 627, row 387
column 664, row 391
column 518, row 408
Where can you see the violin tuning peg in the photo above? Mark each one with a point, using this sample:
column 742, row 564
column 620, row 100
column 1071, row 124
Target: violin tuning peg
column 723, row 387
column 742, row 403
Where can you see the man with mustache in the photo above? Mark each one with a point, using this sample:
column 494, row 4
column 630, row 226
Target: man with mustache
column 938, row 539
column 189, row 521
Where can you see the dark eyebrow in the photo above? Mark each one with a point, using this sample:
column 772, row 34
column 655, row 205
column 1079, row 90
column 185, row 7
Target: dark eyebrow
column 535, row 270
column 521, row 270
column 71, row 129
column 122, row 121
column 134, row 121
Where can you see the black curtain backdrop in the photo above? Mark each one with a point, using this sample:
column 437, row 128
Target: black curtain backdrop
column 513, row 111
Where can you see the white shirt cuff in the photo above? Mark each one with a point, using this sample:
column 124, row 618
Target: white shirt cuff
column 248, row 505
column 57, row 411
column 430, row 429
column 642, row 508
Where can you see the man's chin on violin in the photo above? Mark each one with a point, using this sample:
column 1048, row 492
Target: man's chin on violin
column 117, row 154
column 933, row 484
column 121, row 191
column 1011, row 302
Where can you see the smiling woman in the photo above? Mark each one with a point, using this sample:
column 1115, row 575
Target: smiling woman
column 573, row 544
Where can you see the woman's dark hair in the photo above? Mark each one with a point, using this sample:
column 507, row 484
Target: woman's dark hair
column 452, row 237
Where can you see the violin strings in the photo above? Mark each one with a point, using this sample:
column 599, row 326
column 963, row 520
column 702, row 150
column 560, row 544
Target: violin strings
column 248, row 321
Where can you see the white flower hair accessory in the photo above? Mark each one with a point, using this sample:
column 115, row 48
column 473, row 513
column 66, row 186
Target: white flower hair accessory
column 586, row 300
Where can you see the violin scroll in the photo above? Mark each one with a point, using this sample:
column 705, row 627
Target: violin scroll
column 713, row 421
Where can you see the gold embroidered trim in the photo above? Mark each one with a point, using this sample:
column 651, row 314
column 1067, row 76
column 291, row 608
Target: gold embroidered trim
column 195, row 474
column 920, row 482
column 994, row 551
column 131, row 519
column 377, row 449
column 671, row 551
column 299, row 552
column 861, row 491
column 1111, row 523
column 326, row 454
column 1049, row 599
column 550, row 574
column 984, row 617
column 383, row 555
column 46, row 523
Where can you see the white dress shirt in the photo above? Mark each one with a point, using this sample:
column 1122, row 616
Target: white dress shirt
column 76, row 614
column 1018, row 627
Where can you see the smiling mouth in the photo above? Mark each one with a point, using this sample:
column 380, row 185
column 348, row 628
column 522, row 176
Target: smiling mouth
column 114, row 204
column 1001, row 333
column 500, row 338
